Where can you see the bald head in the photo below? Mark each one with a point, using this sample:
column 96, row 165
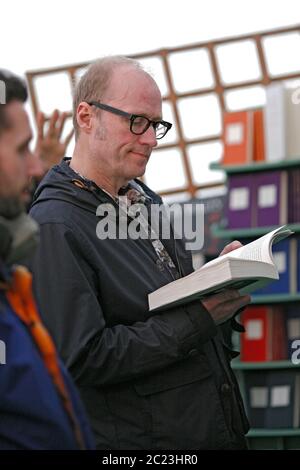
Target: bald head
column 96, row 81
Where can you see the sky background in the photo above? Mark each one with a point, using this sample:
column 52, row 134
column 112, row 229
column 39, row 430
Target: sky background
column 40, row 34
column 36, row 34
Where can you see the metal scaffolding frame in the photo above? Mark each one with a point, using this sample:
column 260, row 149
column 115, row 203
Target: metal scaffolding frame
column 219, row 88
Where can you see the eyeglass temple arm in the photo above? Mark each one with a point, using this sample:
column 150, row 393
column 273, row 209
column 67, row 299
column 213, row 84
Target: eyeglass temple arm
column 106, row 107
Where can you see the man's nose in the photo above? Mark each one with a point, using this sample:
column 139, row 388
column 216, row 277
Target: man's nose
column 149, row 137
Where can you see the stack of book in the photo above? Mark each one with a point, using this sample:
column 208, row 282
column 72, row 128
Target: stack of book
column 273, row 399
column 272, row 333
column 265, row 337
column 269, row 134
column 257, row 199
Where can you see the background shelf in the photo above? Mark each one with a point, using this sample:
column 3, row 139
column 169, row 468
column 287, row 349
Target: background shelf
column 280, row 165
column 273, row 432
column 239, row 365
column 249, row 232
column 274, row 298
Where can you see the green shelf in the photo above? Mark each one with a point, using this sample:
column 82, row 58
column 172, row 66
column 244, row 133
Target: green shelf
column 274, row 298
column 239, row 365
column 284, row 438
column 264, row 166
column 273, row 432
column 249, row 232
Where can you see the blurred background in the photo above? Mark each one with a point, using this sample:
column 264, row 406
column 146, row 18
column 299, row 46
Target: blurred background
column 49, row 35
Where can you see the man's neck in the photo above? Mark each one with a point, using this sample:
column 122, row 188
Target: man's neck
column 109, row 184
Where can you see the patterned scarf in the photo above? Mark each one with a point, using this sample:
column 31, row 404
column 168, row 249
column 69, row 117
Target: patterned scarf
column 136, row 195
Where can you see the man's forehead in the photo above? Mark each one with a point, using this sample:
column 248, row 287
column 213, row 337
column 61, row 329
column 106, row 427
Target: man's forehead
column 131, row 81
column 18, row 121
column 136, row 92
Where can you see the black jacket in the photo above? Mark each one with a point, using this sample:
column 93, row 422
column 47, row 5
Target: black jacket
column 149, row 381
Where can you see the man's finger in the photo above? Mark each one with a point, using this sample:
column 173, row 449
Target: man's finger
column 230, row 247
column 52, row 123
column 40, row 125
column 61, row 124
column 225, row 295
column 238, row 303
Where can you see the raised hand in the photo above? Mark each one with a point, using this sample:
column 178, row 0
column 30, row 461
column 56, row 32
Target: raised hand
column 50, row 148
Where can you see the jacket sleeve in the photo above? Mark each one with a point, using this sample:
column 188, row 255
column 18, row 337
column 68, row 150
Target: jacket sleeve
column 96, row 354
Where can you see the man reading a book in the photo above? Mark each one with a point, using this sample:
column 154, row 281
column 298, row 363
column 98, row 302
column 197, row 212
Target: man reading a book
column 149, row 381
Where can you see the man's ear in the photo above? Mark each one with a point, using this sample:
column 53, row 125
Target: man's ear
column 84, row 116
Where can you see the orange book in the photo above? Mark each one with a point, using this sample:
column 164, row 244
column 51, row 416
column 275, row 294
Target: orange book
column 259, row 139
column 238, row 138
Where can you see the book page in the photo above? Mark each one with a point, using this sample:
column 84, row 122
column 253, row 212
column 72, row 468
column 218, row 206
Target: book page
column 258, row 250
column 261, row 249
column 254, row 251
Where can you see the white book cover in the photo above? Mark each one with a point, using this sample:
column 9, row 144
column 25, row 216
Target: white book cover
column 292, row 125
column 275, row 122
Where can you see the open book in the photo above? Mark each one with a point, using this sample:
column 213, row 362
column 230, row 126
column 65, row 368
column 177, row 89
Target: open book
column 248, row 268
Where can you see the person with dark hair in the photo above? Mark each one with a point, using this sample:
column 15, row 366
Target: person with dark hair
column 149, row 380
column 39, row 406
column 49, row 147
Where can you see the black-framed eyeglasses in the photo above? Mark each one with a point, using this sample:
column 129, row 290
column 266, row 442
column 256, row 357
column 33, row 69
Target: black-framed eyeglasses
column 138, row 124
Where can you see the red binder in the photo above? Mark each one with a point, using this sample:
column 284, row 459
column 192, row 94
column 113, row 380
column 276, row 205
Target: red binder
column 265, row 336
